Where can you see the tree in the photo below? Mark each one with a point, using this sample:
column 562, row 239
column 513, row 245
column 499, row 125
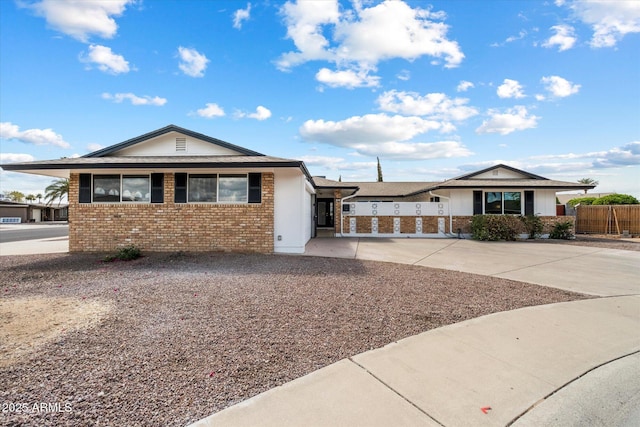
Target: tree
column 57, row 190
column 39, row 197
column 30, row 197
column 588, row 181
column 15, row 196
column 581, row 201
column 616, row 199
column 379, row 170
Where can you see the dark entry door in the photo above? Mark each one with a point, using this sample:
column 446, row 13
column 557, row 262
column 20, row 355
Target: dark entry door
column 325, row 212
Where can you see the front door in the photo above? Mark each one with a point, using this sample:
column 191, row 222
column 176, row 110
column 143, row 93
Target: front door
column 325, row 212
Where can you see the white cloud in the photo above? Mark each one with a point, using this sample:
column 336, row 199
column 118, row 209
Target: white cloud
column 106, row 60
column 211, row 110
column 416, row 150
column 510, row 89
column 241, row 15
column 522, row 34
column 15, row 158
column 193, row 63
column 94, row 147
column 32, row 136
column 513, row 119
column 347, row 78
column 135, row 99
column 81, row 19
column 370, row 128
column 437, row 106
column 610, row 20
column 382, row 135
column 464, row 85
column 626, row 155
column 564, row 38
column 356, row 40
column 262, row 113
column 336, row 163
column 404, row 75
column 559, row 87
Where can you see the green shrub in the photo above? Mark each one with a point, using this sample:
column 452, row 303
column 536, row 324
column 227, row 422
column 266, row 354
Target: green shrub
column 581, row 201
column 126, row 253
column 616, row 199
column 562, row 230
column 533, row 224
column 495, row 227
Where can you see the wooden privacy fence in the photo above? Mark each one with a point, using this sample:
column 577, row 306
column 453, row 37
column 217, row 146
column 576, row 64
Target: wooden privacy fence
column 608, row 219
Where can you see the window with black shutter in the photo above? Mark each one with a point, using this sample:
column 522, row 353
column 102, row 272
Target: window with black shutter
column 180, row 188
column 477, row 202
column 84, row 193
column 255, row 188
column 528, row 203
column 157, row 188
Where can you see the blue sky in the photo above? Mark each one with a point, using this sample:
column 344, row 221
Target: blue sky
column 434, row 89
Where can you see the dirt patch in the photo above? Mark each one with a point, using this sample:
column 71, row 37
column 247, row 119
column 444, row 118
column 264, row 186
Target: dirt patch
column 28, row 323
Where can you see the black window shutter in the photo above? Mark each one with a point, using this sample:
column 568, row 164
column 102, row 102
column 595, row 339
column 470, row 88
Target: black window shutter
column 255, row 188
column 157, row 188
column 477, row 202
column 180, row 195
column 84, row 188
column 528, row 203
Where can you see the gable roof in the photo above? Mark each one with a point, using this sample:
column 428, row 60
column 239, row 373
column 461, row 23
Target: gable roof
column 171, row 128
column 406, row 189
column 529, row 175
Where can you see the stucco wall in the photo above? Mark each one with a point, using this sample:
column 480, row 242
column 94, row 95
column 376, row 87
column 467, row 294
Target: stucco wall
column 167, row 227
column 292, row 212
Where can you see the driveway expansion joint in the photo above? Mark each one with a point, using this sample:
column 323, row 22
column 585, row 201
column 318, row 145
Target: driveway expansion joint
column 395, row 391
column 545, row 263
column 439, row 250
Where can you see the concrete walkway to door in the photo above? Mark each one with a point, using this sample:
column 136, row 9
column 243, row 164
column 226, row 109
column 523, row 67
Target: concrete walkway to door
column 571, row 364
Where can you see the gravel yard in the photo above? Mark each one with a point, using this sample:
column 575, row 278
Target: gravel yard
column 171, row 338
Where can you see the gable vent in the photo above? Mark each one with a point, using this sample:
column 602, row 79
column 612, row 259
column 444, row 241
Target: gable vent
column 495, row 172
column 181, row 144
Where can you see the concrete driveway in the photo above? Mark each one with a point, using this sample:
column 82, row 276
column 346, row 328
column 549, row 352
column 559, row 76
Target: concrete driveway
column 593, row 271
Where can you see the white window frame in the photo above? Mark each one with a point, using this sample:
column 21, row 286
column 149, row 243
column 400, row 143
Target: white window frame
column 120, row 187
column 217, row 177
column 502, row 200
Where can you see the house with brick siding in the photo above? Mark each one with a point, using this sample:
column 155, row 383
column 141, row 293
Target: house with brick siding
column 438, row 209
column 173, row 189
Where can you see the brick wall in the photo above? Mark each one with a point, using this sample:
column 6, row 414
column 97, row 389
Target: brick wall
column 168, row 227
column 430, row 224
column 385, row 224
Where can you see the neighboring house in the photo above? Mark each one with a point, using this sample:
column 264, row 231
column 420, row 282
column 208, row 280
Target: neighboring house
column 432, row 209
column 177, row 190
column 14, row 212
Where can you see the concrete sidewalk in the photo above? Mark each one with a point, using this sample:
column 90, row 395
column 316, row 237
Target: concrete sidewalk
column 35, row 246
column 486, row 371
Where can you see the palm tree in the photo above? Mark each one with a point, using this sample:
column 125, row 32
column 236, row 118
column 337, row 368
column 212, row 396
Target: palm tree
column 39, row 197
column 588, row 181
column 30, row 198
column 57, row 190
